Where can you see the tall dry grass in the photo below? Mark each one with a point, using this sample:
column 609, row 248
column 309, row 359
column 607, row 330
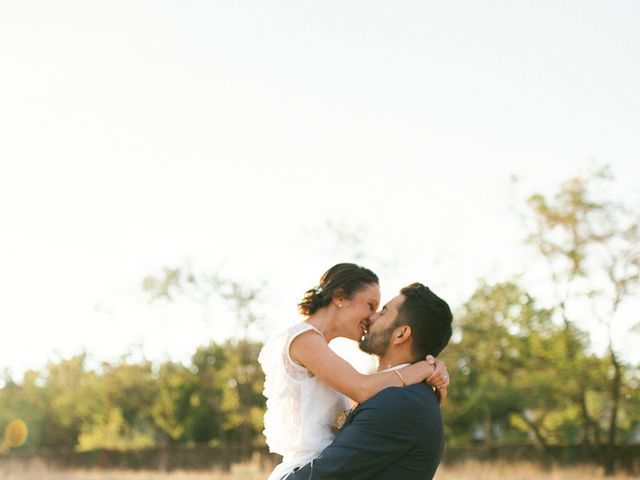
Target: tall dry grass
column 472, row 470
column 36, row 470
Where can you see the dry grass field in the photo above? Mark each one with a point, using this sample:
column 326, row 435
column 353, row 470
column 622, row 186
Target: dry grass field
column 468, row 471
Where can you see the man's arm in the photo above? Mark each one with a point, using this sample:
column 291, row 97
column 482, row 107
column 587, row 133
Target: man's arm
column 381, row 432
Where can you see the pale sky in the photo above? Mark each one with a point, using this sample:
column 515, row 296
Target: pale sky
column 139, row 134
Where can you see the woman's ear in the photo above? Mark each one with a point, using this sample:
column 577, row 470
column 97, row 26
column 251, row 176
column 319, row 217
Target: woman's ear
column 338, row 297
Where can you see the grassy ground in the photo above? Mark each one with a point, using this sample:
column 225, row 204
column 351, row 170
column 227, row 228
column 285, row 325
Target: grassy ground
column 39, row 471
column 521, row 471
column 467, row 471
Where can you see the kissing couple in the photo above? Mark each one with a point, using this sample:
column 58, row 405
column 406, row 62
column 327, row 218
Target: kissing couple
column 395, row 430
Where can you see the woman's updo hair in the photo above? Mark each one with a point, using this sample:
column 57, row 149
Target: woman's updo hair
column 344, row 278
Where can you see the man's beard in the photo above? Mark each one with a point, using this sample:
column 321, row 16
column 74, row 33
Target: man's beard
column 376, row 343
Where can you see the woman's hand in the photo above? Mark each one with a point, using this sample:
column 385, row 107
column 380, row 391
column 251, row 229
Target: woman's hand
column 441, row 394
column 439, row 378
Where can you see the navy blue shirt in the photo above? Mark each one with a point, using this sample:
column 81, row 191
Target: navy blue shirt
column 396, row 434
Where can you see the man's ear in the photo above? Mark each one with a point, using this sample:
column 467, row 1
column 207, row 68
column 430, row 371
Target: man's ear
column 402, row 334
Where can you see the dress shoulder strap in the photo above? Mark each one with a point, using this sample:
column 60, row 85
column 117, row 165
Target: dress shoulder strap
column 294, row 332
column 301, row 328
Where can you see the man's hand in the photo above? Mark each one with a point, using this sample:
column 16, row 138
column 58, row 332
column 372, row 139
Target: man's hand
column 439, row 378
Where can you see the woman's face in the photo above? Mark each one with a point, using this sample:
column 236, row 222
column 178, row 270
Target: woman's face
column 355, row 311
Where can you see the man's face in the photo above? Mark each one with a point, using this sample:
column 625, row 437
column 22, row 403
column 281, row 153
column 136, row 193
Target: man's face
column 381, row 325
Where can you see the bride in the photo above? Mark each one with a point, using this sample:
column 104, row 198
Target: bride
column 307, row 385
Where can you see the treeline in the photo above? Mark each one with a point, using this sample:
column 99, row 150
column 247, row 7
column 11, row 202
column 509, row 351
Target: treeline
column 517, row 375
column 522, row 370
column 216, row 399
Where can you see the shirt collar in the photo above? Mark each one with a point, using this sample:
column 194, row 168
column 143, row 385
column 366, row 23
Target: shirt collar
column 395, row 367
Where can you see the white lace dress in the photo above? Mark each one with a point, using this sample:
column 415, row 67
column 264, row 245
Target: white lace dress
column 300, row 408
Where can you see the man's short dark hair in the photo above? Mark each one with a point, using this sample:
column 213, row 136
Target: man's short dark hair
column 429, row 317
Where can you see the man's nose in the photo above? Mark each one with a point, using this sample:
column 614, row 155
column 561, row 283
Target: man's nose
column 373, row 317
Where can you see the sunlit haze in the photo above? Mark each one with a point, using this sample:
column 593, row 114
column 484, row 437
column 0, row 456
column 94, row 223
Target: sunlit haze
column 243, row 137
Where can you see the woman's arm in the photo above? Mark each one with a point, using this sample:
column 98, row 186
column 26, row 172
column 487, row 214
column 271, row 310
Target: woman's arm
column 440, row 378
column 311, row 351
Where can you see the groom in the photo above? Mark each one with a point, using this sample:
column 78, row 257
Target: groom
column 398, row 433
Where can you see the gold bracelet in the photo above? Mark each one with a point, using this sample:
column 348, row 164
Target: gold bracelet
column 404, row 384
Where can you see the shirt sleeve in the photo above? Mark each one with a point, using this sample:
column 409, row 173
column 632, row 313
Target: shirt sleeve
column 379, row 434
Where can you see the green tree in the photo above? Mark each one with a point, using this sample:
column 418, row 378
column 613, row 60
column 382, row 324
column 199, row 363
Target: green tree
column 242, row 404
column 177, row 386
column 22, row 401
column 592, row 244
column 64, row 399
column 228, row 404
column 121, row 418
column 54, row 403
column 507, row 359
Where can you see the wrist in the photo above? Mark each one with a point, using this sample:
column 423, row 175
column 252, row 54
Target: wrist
column 397, row 372
column 431, row 370
column 426, row 369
